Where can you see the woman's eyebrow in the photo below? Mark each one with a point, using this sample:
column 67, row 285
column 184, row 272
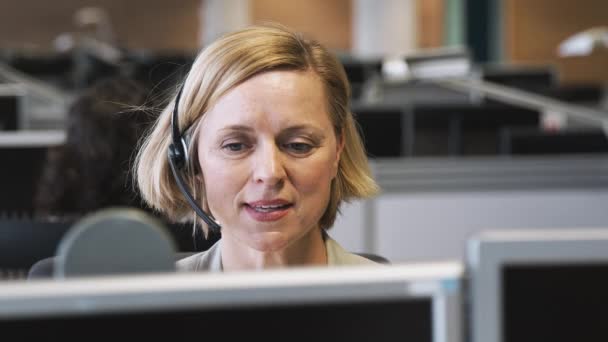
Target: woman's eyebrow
column 308, row 129
column 237, row 128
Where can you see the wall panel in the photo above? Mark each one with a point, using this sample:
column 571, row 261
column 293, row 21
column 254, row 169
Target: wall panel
column 326, row 21
column 534, row 29
column 153, row 24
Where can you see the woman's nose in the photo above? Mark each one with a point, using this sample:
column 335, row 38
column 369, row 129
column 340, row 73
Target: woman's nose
column 269, row 167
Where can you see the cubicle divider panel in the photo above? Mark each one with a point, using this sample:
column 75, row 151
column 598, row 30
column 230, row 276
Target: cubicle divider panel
column 429, row 206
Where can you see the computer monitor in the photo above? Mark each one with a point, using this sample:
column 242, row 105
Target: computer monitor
column 23, row 155
column 417, row 302
column 9, row 111
column 539, row 286
column 386, row 131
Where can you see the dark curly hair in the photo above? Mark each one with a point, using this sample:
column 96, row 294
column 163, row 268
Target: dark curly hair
column 92, row 169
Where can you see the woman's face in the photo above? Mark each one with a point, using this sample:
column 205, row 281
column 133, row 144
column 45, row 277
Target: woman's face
column 268, row 153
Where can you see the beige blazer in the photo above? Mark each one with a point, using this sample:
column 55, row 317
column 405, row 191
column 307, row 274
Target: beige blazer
column 211, row 259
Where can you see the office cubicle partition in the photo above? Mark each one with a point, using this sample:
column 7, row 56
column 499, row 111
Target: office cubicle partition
column 439, row 130
column 428, row 207
column 530, row 78
column 24, row 240
column 525, row 141
column 465, row 130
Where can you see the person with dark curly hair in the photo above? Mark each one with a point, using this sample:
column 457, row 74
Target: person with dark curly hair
column 92, row 169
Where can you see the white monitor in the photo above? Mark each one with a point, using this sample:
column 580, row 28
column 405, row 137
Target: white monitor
column 416, row 302
column 538, row 285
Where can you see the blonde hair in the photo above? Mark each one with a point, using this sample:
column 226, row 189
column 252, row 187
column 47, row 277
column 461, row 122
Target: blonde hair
column 222, row 66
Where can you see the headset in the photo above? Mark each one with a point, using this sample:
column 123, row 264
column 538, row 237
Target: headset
column 178, row 160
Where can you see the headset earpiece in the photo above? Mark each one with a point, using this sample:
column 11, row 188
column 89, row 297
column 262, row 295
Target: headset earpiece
column 178, row 161
column 178, row 151
column 179, row 154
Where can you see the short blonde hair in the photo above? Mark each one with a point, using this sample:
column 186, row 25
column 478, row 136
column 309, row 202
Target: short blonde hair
column 222, row 66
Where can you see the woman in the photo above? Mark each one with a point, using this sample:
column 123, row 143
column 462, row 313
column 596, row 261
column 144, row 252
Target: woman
column 273, row 151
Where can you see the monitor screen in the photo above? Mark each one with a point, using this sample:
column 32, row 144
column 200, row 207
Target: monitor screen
column 406, row 320
column 555, row 302
column 19, row 177
column 9, row 112
column 363, row 303
column 23, row 155
column 538, row 285
column 383, row 130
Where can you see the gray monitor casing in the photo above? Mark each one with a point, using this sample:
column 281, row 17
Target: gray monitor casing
column 488, row 252
column 440, row 281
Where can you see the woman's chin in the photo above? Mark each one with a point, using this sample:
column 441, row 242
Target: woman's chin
column 268, row 242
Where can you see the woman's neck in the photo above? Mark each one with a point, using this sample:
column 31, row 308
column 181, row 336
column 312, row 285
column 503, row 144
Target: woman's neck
column 308, row 250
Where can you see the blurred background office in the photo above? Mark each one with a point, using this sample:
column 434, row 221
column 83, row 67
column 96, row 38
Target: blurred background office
column 477, row 114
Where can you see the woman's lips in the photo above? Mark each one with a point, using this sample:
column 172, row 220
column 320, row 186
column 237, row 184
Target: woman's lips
column 268, row 211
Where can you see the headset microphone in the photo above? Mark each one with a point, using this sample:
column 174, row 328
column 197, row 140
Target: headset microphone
column 178, row 160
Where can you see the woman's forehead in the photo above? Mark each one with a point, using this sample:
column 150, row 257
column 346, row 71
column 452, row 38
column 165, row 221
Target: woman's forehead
column 276, row 98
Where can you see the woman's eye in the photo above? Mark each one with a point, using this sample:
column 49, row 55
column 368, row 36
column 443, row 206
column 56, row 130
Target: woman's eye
column 299, row 147
column 234, row 147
